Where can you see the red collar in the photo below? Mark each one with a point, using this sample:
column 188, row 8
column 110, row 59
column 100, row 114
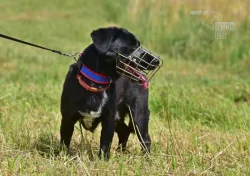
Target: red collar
column 94, row 77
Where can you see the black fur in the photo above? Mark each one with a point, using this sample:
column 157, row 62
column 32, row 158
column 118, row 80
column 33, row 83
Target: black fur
column 101, row 58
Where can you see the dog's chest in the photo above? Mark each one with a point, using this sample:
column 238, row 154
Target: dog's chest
column 91, row 113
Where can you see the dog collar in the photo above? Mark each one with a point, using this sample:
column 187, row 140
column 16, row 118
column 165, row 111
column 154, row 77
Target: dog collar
column 94, row 77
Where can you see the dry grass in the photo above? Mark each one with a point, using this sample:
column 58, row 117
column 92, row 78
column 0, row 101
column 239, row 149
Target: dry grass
column 199, row 100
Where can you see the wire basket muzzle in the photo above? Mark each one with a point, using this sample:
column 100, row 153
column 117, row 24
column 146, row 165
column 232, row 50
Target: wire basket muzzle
column 140, row 66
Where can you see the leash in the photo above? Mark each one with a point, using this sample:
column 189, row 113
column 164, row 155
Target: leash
column 91, row 75
column 41, row 47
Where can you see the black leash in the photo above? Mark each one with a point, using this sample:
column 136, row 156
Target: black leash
column 41, row 47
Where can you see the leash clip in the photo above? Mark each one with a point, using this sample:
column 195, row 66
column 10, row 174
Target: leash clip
column 70, row 55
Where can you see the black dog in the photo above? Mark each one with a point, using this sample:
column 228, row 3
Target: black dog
column 83, row 99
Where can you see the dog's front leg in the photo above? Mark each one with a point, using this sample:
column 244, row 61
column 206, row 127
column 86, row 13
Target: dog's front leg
column 139, row 121
column 107, row 133
column 67, row 129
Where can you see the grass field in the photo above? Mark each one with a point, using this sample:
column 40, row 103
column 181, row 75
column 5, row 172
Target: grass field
column 199, row 100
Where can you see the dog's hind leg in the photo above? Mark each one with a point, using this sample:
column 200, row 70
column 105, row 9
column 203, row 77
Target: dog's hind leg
column 139, row 118
column 107, row 133
column 122, row 130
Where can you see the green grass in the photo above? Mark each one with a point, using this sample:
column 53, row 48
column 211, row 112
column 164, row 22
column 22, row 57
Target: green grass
column 199, row 100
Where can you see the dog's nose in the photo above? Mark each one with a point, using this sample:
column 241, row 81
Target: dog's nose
column 156, row 62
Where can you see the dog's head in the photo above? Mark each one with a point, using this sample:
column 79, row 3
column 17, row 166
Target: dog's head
column 121, row 54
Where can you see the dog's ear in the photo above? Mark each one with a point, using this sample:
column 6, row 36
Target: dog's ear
column 102, row 39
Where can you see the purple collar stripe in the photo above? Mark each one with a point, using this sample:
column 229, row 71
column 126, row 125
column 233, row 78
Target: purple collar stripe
column 95, row 77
